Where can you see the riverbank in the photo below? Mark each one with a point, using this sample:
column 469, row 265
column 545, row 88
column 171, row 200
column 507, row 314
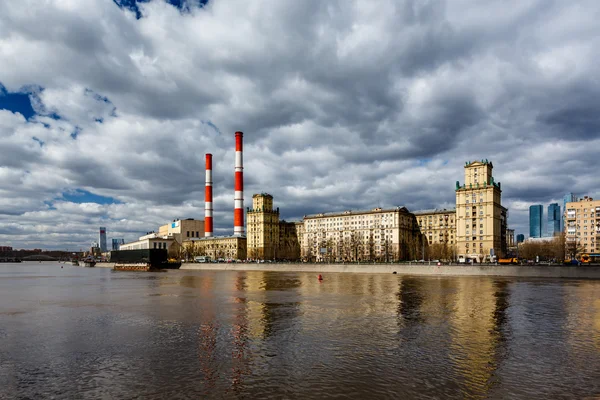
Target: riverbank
column 532, row 271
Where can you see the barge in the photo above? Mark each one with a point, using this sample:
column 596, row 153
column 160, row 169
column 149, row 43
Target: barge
column 142, row 260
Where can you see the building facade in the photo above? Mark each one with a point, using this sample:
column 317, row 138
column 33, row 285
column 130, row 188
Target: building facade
column 582, row 220
column 481, row 220
column 568, row 198
column 102, row 239
column 216, row 247
column 375, row 235
column 116, row 243
column 438, row 229
column 554, row 218
column 536, row 215
column 152, row 241
column 183, row 229
column 263, row 228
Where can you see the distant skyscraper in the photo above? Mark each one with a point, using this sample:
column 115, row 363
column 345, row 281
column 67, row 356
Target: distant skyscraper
column 116, row 243
column 569, row 197
column 520, row 238
column 536, row 214
column 554, row 218
column 102, row 240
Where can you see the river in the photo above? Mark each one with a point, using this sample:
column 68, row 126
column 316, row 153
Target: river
column 75, row 332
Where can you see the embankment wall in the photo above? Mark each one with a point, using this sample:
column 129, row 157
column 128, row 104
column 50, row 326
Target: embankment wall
column 537, row 271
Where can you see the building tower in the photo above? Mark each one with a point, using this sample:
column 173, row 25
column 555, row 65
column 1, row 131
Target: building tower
column 481, row 220
column 102, row 239
column 568, row 198
column 208, row 199
column 536, row 215
column 554, row 218
column 263, row 228
column 238, row 211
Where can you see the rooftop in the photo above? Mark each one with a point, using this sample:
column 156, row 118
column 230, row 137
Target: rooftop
column 358, row 212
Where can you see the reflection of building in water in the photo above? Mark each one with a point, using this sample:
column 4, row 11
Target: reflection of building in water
column 582, row 309
column 477, row 327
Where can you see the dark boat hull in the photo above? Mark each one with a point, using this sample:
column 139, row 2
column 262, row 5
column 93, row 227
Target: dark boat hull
column 142, row 260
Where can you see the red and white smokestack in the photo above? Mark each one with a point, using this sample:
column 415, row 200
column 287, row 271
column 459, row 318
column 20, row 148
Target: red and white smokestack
column 208, row 199
column 238, row 211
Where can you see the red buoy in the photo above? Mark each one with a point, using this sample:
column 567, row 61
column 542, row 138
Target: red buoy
column 320, row 277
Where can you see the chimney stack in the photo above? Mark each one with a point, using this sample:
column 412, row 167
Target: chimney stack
column 208, row 199
column 238, row 211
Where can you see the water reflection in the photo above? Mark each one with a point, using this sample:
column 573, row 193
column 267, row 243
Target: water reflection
column 227, row 334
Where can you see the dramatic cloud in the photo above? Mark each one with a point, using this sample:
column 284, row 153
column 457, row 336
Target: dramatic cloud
column 344, row 105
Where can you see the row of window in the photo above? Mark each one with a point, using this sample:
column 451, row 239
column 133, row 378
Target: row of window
column 192, row 232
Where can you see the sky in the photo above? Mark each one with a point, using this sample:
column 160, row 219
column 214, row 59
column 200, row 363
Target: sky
column 107, row 108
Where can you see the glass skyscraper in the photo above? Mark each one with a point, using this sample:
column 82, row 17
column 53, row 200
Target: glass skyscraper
column 554, row 218
column 520, row 238
column 569, row 197
column 102, row 240
column 536, row 214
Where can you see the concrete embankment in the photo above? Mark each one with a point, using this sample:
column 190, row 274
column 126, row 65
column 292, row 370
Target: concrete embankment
column 558, row 271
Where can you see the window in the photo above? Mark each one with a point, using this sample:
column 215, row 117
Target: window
column 187, row 233
column 154, row 244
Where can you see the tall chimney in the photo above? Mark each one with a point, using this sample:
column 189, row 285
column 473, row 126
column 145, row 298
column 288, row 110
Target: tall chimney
column 208, row 199
column 238, row 211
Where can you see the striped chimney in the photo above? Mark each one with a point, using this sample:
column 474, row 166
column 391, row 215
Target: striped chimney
column 208, row 199
column 238, row 211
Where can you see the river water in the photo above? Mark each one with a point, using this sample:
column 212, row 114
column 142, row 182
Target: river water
column 74, row 332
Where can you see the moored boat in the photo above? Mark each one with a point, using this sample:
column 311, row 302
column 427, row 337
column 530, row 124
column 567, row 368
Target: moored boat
column 142, row 260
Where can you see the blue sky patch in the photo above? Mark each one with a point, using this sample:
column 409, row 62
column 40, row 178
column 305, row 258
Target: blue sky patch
column 83, row 196
column 16, row 102
column 183, row 5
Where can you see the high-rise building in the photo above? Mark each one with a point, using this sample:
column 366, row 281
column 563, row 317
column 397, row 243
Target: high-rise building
column 569, row 198
column 536, row 214
column 102, row 239
column 554, row 218
column 481, row 220
column 520, row 238
column 263, row 228
column 582, row 226
column 116, row 243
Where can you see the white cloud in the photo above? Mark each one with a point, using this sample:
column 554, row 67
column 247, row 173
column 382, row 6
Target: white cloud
column 343, row 104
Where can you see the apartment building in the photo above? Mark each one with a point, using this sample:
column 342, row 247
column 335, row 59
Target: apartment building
column 226, row 247
column 262, row 228
column 582, row 230
column 375, row 235
column 481, row 220
column 438, row 226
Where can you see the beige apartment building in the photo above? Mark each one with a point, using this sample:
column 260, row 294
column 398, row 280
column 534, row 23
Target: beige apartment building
column 262, row 228
column 481, row 220
column 375, row 235
column 438, row 226
column 582, row 227
column 268, row 237
column 225, row 247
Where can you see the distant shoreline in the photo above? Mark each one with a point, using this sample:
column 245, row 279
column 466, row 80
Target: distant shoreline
column 535, row 271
